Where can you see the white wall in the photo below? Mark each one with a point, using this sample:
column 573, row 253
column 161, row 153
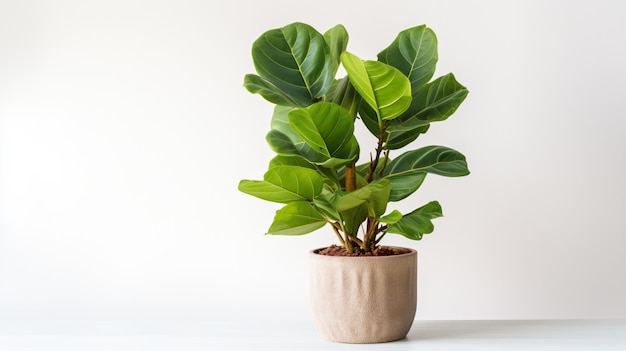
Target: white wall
column 124, row 130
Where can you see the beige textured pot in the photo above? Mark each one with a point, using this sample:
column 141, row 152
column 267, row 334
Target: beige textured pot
column 364, row 299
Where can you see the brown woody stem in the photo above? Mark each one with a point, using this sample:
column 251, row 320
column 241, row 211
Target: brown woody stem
column 350, row 178
column 356, row 240
column 379, row 150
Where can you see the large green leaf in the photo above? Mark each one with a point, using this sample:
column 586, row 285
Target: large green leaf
column 346, row 96
column 414, row 53
column 294, row 65
column 284, row 141
column 285, row 184
column 337, row 40
column 280, row 160
column 405, row 185
column 375, row 195
column 296, row 218
column 397, row 139
column 370, row 119
column 391, row 218
column 381, row 86
column 354, row 217
column 434, row 159
column 271, row 93
column 326, row 204
column 417, row 223
column 434, row 102
column 329, row 174
column 328, row 129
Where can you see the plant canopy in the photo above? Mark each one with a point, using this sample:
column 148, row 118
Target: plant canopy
column 315, row 173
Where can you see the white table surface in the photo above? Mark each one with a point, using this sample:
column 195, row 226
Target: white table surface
column 301, row 335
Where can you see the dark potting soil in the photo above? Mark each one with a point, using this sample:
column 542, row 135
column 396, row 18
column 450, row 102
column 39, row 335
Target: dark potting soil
column 335, row 250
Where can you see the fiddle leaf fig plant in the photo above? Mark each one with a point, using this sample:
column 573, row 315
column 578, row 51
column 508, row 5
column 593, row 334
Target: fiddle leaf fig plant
column 316, row 173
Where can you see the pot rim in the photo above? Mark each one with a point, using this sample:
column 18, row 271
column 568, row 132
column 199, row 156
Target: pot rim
column 412, row 251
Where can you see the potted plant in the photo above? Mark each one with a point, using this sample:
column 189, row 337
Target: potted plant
column 362, row 292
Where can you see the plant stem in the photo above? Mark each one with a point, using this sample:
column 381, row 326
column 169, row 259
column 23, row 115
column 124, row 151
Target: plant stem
column 347, row 244
column 356, row 240
column 370, row 235
column 335, row 229
column 350, row 178
column 379, row 150
column 380, row 238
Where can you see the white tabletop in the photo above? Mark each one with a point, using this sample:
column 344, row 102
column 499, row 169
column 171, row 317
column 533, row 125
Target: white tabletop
column 300, row 335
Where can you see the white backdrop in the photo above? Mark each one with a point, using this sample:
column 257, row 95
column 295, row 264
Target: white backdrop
column 124, row 130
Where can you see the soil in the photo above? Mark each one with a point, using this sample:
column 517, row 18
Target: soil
column 335, row 250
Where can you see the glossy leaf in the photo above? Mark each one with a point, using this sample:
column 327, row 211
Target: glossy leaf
column 326, row 204
column 293, row 64
column 290, row 161
column 328, row 129
column 375, row 195
column 438, row 160
column 405, row 185
column 271, row 93
column 296, row 218
column 417, row 223
column 435, row 102
column 396, row 139
column 354, row 217
column 337, row 40
column 329, row 174
column 381, row 86
column 391, row 218
column 284, row 141
column 346, row 96
column 414, row 53
column 370, row 119
column 285, row 184
column 401, row 138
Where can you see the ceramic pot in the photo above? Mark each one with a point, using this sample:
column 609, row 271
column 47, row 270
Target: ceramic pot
column 363, row 299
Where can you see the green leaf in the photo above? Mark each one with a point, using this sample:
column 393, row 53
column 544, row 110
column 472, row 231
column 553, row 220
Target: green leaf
column 381, row 86
column 294, row 65
column 281, row 160
column 400, row 139
column 281, row 143
column 396, row 139
column 375, row 195
column 354, row 217
column 284, row 141
column 435, row 102
column 438, row 160
column 271, row 93
column 370, row 119
column 296, row 218
column 391, row 218
column 405, row 185
column 346, row 96
column 337, row 40
column 285, row 184
column 326, row 204
column 328, row 129
column 418, row 222
column 414, row 53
